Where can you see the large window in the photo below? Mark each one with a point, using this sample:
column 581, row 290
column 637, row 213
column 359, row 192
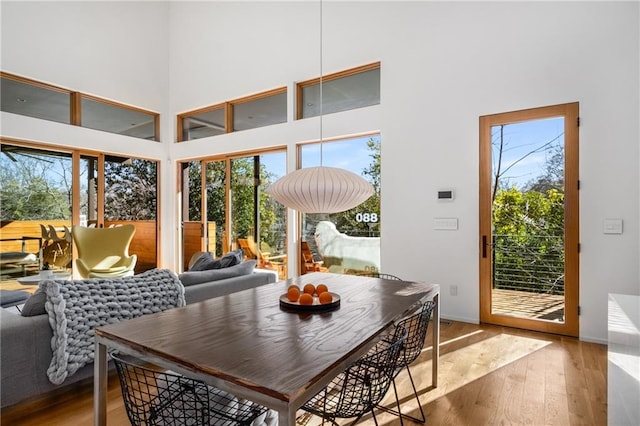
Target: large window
column 202, row 123
column 42, row 194
column 347, row 242
column 226, row 207
column 342, row 91
column 34, row 99
column 111, row 117
column 262, row 109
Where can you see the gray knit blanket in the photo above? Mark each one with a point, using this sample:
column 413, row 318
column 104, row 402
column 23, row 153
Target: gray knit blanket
column 76, row 308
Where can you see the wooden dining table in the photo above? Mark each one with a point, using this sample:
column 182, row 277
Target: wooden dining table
column 247, row 344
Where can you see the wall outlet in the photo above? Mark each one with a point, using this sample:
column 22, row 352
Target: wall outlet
column 453, row 290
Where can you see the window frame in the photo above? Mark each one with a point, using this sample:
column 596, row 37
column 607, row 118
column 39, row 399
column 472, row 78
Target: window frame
column 228, row 107
column 329, row 77
column 75, row 102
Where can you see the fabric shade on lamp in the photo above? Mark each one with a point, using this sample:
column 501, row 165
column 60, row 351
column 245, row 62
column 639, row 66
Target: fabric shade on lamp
column 321, row 190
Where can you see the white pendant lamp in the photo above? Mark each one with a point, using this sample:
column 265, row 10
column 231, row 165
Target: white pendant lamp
column 321, row 189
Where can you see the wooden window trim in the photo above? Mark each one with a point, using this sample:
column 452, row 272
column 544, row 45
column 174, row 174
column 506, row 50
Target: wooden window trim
column 227, row 106
column 36, row 83
column 76, row 109
column 188, row 114
column 261, row 95
column 75, row 112
column 117, row 104
column 341, row 74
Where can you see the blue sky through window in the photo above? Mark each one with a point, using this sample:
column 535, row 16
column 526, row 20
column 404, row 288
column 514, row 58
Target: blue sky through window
column 527, row 146
column 351, row 154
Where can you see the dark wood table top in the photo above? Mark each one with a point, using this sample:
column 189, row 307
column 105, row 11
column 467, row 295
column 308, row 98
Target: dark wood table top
column 246, row 339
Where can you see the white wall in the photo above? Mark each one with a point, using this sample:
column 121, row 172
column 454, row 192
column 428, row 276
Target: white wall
column 443, row 66
column 113, row 50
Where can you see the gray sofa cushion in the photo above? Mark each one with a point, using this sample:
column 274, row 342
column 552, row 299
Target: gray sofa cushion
column 232, row 258
column 34, row 305
column 196, row 277
column 206, row 261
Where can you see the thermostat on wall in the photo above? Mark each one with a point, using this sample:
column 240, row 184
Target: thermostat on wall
column 445, row 195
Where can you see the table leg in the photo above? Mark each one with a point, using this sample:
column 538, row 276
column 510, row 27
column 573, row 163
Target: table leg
column 100, row 385
column 436, row 341
column 287, row 417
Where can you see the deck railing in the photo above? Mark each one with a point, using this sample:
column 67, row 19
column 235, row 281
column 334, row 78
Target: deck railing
column 529, row 263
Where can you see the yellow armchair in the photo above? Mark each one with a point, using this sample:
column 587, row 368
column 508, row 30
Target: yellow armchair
column 104, row 252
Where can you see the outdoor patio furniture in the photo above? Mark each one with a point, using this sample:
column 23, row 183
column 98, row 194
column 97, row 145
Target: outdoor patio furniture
column 309, row 264
column 277, row 263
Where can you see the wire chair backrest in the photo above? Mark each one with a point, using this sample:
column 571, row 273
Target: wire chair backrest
column 157, row 397
column 379, row 275
column 416, row 326
column 364, row 383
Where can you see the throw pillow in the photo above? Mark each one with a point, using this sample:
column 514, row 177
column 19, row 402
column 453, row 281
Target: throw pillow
column 198, row 277
column 35, row 304
column 205, row 262
column 232, row 258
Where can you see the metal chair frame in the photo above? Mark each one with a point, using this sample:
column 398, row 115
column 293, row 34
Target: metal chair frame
column 416, row 326
column 157, row 397
column 359, row 389
column 379, row 275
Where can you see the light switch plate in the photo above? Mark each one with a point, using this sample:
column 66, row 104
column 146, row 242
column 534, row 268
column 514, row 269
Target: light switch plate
column 445, row 223
column 612, row 226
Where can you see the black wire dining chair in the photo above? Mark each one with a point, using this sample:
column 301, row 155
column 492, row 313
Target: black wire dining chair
column 158, row 397
column 358, row 390
column 416, row 326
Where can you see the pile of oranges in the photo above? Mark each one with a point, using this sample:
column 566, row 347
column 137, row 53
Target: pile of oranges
column 305, row 297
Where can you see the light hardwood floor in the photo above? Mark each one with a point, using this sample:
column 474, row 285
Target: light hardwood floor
column 488, row 376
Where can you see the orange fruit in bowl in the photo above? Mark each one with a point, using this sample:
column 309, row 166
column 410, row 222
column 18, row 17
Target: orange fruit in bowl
column 305, row 299
column 309, row 289
column 325, row 297
column 293, row 293
column 321, row 288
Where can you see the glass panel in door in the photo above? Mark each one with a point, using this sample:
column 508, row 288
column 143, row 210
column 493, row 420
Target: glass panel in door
column 88, row 191
column 191, row 210
column 130, row 197
column 258, row 223
column 528, row 219
column 35, row 210
column 216, row 240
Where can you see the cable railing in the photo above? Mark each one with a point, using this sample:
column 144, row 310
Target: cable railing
column 529, row 263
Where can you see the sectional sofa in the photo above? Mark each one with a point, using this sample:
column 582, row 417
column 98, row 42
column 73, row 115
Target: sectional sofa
column 25, row 338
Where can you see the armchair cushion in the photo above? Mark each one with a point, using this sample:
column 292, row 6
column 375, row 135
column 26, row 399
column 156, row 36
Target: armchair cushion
column 104, row 252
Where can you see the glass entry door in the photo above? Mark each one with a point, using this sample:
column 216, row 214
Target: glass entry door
column 529, row 219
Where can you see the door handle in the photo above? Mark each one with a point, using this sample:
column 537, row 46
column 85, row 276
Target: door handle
column 484, row 246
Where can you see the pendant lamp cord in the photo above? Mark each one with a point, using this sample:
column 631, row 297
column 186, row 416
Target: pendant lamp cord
column 320, row 85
